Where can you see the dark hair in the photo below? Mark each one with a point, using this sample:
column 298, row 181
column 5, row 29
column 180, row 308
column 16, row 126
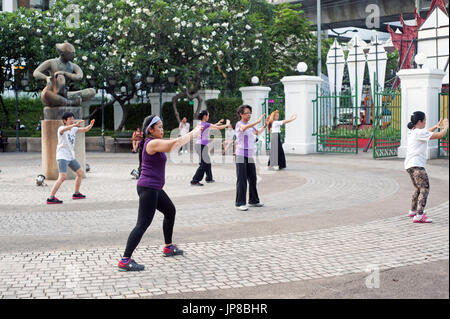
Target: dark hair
column 66, row 115
column 145, row 136
column 416, row 117
column 201, row 114
column 241, row 109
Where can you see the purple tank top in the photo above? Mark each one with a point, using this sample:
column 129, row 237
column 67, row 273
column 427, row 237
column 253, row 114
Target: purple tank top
column 153, row 169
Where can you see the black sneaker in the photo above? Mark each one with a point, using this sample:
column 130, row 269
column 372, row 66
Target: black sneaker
column 196, row 184
column 78, row 196
column 131, row 265
column 172, row 250
column 54, row 200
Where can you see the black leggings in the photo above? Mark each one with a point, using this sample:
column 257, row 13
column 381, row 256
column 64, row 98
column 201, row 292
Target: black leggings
column 149, row 200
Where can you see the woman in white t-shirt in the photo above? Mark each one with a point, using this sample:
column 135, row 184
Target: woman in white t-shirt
column 416, row 158
column 229, row 139
column 184, row 128
column 277, row 159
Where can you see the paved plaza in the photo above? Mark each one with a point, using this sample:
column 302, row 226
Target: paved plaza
column 333, row 226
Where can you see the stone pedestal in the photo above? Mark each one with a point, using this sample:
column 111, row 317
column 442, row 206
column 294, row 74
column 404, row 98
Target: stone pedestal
column 255, row 96
column 420, row 89
column 299, row 92
column 49, row 130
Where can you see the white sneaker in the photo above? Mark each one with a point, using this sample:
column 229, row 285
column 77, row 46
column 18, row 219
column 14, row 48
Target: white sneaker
column 256, row 205
column 412, row 213
column 242, row 208
column 422, row 219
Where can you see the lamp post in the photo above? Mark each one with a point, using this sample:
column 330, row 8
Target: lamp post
column 161, row 86
column 14, row 85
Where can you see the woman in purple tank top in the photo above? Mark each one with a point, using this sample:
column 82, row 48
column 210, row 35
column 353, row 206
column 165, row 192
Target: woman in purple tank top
column 152, row 164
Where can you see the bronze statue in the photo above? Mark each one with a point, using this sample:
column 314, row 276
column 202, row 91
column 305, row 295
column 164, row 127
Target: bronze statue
column 56, row 92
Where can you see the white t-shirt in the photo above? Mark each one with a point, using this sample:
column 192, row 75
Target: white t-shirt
column 66, row 144
column 184, row 128
column 416, row 154
column 276, row 126
column 229, row 134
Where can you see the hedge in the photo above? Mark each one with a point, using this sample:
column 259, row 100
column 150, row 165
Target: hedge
column 30, row 110
column 136, row 115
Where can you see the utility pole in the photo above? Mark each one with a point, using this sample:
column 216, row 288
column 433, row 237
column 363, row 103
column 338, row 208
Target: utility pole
column 319, row 40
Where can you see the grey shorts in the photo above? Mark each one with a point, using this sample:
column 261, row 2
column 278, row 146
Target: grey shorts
column 73, row 164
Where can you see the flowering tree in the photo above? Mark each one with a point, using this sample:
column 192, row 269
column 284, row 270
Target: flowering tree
column 21, row 47
column 201, row 41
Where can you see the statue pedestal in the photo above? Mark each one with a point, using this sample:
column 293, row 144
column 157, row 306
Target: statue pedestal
column 49, row 130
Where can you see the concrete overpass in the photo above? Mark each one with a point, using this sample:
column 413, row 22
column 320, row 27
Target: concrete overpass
column 345, row 13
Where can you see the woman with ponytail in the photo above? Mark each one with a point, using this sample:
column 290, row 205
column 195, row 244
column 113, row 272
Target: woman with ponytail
column 201, row 147
column 152, row 164
column 416, row 157
column 277, row 159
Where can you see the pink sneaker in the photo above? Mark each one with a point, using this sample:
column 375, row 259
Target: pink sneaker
column 412, row 213
column 422, row 219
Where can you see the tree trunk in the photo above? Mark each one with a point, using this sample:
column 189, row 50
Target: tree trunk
column 197, row 111
column 174, row 105
column 124, row 116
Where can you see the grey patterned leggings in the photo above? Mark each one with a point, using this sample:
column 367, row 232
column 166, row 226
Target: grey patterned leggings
column 420, row 181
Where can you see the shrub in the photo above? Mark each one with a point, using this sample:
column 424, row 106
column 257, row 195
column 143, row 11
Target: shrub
column 30, row 110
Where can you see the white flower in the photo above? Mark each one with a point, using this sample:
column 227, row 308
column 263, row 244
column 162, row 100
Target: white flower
column 88, row 77
column 21, row 38
column 213, row 33
column 146, row 11
column 92, row 67
column 77, row 41
column 225, row 24
column 70, row 34
column 248, row 27
column 84, row 58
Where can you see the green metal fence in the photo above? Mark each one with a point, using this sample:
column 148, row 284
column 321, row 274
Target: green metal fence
column 270, row 105
column 443, row 113
column 386, row 123
column 336, row 120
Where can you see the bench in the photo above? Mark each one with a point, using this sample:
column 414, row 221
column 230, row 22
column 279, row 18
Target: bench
column 122, row 138
column 3, row 142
